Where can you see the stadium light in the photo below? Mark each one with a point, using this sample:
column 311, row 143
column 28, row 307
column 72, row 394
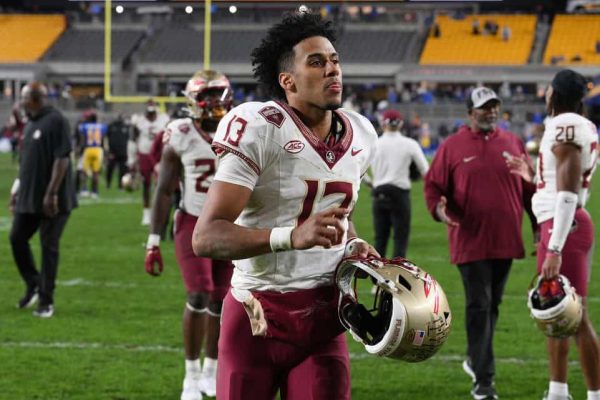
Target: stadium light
column 189, row 9
column 119, row 9
column 232, row 9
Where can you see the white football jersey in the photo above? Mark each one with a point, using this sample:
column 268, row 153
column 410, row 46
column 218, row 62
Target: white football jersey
column 148, row 130
column 198, row 161
column 297, row 175
column 564, row 128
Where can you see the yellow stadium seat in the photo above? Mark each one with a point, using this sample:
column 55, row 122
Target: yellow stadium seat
column 573, row 36
column 456, row 45
column 25, row 38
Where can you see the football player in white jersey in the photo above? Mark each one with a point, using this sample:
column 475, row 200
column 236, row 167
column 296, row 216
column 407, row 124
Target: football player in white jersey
column 567, row 159
column 188, row 160
column 145, row 128
column 288, row 178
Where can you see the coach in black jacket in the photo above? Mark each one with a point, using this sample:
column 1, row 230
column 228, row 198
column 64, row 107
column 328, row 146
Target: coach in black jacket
column 42, row 197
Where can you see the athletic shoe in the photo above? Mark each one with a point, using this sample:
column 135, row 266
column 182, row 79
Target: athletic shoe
column 44, row 311
column 552, row 396
column 84, row 193
column 468, row 369
column 191, row 388
column 29, row 299
column 484, row 392
column 208, row 383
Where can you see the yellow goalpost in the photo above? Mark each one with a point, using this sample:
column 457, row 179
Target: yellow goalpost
column 108, row 96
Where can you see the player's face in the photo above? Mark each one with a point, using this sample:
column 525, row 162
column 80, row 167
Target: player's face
column 317, row 74
column 486, row 117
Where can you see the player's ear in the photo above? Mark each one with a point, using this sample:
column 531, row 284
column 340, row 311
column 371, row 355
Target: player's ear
column 286, row 81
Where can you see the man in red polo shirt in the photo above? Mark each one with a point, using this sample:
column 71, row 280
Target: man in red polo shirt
column 470, row 189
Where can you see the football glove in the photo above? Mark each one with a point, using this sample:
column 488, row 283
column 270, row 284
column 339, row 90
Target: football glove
column 154, row 262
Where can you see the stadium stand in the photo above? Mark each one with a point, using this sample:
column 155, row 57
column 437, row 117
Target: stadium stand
column 573, row 40
column 24, row 38
column 457, row 44
column 86, row 45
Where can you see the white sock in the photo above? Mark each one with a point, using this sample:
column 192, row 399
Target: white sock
column 146, row 212
column 210, row 364
column 593, row 395
column 558, row 388
column 192, row 366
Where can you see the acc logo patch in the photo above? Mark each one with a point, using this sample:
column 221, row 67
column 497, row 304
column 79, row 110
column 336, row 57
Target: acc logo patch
column 294, row 146
column 273, row 115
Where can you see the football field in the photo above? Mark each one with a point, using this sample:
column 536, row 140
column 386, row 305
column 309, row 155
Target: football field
column 116, row 332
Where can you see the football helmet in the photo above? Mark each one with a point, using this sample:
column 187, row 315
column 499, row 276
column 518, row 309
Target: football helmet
column 209, row 95
column 555, row 306
column 129, row 182
column 410, row 319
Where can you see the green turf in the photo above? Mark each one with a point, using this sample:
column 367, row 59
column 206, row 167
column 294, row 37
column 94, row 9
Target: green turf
column 116, row 331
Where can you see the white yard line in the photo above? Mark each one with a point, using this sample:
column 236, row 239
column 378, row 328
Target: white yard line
column 168, row 349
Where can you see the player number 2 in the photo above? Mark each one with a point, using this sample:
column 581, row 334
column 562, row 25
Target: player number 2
column 330, row 188
column 201, row 183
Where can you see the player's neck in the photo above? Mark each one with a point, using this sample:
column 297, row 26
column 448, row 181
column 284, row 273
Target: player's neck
column 317, row 120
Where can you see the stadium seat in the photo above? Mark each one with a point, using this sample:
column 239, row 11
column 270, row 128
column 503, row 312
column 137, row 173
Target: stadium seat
column 25, row 38
column 573, row 40
column 456, row 44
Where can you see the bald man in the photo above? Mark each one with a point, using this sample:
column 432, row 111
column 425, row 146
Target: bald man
column 42, row 197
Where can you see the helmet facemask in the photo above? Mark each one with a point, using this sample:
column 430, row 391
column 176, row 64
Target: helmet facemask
column 209, row 98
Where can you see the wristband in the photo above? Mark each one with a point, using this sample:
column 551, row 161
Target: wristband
column 153, row 241
column 281, row 239
column 351, row 245
column 564, row 212
column 15, row 187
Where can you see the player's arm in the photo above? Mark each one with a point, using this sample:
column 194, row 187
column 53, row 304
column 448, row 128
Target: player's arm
column 436, row 186
column 356, row 246
column 170, row 171
column 568, row 174
column 217, row 236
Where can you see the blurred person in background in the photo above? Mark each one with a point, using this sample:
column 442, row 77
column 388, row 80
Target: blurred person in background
column 469, row 188
column 391, row 183
column 145, row 128
column 568, row 154
column 118, row 134
column 14, row 129
column 92, row 134
column 188, row 160
column 42, row 197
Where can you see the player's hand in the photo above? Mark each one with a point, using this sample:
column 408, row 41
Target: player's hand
column 519, row 166
column 153, row 261
column 440, row 210
column 551, row 265
column 360, row 248
column 50, row 205
column 322, row 229
column 12, row 203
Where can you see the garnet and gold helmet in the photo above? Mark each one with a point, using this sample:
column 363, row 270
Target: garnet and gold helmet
column 410, row 319
column 209, row 95
column 555, row 306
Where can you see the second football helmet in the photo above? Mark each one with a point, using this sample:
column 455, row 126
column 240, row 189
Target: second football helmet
column 410, row 319
column 209, row 95
column 555, row 306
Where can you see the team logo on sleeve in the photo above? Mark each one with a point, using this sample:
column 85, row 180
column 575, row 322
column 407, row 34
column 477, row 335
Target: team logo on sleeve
column 294, row 146
column 273, row 115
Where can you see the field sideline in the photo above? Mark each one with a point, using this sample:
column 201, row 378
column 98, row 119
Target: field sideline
column 116, row 331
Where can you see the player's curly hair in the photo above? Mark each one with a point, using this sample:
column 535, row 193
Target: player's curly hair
column 275, row 52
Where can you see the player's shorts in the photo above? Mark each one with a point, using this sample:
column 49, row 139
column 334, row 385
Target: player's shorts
column 576, row 253
column 199, row 274
column 92, row 160
column 304, row 351
column 146, row 164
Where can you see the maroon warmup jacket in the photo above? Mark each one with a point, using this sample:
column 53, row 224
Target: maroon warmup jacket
column 483, row 196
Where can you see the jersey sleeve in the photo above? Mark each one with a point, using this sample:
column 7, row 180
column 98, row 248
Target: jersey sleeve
column 175, row 135
column 242, row 132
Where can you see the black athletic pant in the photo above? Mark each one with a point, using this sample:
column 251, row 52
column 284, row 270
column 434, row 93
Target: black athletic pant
column 23, row 228
column 391, row 211
column 484, row 283
column 121, row 162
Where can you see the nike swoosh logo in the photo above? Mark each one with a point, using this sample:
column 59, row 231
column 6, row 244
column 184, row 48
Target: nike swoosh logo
column 355, row 152
column 469, row 159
